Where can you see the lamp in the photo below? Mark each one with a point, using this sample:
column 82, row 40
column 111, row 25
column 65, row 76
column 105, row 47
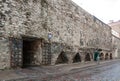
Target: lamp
column 49, row 35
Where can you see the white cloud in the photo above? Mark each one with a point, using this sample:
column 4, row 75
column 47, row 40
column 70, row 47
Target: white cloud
column 105, row 10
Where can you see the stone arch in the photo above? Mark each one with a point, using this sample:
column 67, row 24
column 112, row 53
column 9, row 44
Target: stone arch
column 87, row 57
column 92, row 55
column 62, row 58
column 101, row 56
column 77, row 58
column 106, row 56
column 111, row 57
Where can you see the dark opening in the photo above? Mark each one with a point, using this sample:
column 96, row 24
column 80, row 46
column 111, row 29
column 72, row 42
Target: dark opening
column 106, row 56
column 62, row 58
column 29, row 49
column 87, row 57
column 101, row 56
column 111, row 57
column 77, row 58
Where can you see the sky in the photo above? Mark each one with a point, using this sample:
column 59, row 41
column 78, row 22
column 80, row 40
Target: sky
column 105, row 10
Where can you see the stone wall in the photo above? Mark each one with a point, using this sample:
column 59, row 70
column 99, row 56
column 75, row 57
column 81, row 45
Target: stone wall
column 116, row 46
column 115, row 27
column 73, row 29
column 67, row 22
column 4, row 53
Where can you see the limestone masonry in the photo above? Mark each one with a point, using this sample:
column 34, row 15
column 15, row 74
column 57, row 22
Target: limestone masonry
column 115, row 38
column 49, row 32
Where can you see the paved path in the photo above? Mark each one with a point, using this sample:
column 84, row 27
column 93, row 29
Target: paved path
column 105, row 71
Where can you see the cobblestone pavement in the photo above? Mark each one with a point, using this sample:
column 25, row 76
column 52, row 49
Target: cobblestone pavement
column 103, row 72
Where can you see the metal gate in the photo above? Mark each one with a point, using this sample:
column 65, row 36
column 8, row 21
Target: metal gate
column 46, row 58
column 16, row 46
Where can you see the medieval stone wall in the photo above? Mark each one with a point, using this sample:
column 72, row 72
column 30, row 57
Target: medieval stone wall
column 71, row 27
column 4, row 53
column 67, row 22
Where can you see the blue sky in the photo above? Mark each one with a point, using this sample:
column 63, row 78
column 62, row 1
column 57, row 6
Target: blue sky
column 105, row 10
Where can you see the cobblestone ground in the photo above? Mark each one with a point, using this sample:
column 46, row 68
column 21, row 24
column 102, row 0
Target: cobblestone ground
column 104, row 72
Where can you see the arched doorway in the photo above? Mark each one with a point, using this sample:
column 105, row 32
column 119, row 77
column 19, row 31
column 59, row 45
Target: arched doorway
column 62, row 58
column 111, row 57
column 101, row 56
column 106, row 56
column 77, row 58
column 87, row 57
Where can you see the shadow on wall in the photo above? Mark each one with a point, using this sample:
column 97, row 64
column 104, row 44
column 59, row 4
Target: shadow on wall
column 111, row 57
column 101, row 56
column 106, row 56
column 87, row 57
column 62, row 58
column 77, row 58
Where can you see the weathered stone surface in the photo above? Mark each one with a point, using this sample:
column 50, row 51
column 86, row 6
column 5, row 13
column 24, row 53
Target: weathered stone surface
column 72, row 28
column 4, row 53
column 116, row 46
column 115, row 38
